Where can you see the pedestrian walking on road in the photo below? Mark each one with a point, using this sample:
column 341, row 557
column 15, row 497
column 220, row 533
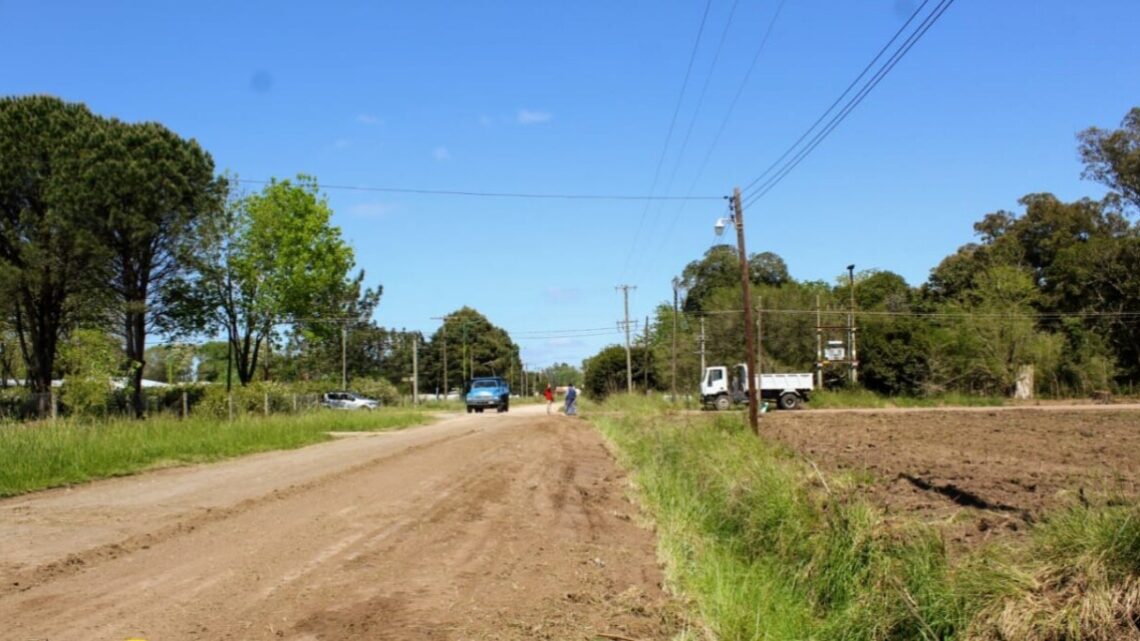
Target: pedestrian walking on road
column 549, row 395
column 571, row 401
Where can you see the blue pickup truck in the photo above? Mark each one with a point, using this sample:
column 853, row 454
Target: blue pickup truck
column 489, row 391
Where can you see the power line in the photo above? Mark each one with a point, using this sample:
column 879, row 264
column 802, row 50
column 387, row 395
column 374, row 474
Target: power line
column 758, row 192
column 669, row 133
column 695, row 116
column 724, row 121
column 491, row 194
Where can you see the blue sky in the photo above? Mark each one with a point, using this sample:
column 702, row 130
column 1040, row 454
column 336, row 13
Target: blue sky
column 577, row 98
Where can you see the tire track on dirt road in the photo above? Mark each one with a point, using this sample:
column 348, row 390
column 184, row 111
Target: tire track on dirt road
column 514, row 527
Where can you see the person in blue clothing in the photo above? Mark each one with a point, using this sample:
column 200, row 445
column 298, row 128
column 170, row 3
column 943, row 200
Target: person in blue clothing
column 571, row 400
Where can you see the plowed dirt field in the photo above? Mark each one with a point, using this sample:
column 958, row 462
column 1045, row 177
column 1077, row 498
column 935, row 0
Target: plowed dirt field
column 488, row 526
column 980, row 473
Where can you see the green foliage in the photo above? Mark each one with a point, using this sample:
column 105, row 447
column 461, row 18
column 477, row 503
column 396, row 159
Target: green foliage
column 89, row 360
column 268, row 258
column 473, row 347
column 606, row 371
column 562, row 374
column 1113, row 157
column 39, row 456
column 52, row 262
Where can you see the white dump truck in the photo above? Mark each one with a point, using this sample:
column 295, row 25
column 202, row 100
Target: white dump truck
column 721, row 390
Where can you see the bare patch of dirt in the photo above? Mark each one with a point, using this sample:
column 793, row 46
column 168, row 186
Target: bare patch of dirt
column 979, row 473
column 490, row 526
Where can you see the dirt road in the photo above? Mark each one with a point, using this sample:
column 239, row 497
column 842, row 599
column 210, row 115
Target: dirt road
column 487, row 526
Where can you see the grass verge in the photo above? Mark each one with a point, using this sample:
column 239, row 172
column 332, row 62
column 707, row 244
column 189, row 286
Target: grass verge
column 766, row 547
column 36, row 456
column 865, row 399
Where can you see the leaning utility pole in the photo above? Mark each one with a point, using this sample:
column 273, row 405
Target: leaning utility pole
column 749, row 330
column 628, row 359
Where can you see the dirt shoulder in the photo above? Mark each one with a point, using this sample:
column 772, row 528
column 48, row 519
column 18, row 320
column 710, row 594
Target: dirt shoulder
column 490, row 526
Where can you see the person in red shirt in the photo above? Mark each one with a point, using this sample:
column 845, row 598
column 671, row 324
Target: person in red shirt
column 549, row 395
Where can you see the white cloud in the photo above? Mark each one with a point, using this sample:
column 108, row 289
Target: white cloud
column 372, row 210
column 441, row 154
column 529, row 117
column 368, row 119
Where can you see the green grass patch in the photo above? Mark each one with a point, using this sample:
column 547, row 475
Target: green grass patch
column 763, row 550
column 860, row 398
column 35, row 456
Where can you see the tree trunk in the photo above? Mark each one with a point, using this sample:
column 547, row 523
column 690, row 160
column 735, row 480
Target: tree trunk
column 135, row 335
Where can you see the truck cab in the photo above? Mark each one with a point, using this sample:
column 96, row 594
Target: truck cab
column 488, row 391
column 722, row 388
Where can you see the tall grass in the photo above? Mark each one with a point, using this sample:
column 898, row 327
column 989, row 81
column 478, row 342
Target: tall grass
column 767, row 548
column 861, row 398
column 36, row 456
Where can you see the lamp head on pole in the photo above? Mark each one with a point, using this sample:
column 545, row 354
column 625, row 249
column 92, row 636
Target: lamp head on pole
column 721, row 223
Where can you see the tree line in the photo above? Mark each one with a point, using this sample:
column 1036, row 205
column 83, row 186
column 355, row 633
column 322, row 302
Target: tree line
column 1055, row 286
column 115, row 233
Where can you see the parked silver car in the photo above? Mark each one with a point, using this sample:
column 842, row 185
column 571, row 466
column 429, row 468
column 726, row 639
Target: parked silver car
column 348, row 401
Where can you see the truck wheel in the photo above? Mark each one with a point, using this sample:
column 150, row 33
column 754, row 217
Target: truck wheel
column 470, row 409
column 789, row 401
column 722, row 403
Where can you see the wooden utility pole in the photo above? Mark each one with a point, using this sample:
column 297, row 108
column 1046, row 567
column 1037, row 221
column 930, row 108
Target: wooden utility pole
column 446, row 389
column 759, row 336
column 673, row 383
column 628, row 359
column 344, row 356
column 702, row 345
column 645, row 359
column 851, row 327
column 749, row 330
column 818, row 345
column 415, row 369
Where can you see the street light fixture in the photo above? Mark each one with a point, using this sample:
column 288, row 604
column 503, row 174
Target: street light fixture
column 720, row 224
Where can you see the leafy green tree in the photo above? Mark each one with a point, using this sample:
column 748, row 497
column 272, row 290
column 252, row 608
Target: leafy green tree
column 605, row 372
column 993, row 334
column 893, row 346
column 562, row 374
column 51, row 259
column 89, row 360
column 474, row 347
column 173, row 363
column 269, row 258
column 1113, row 157
column 156, row 188
column 318, row 345
column 720, row 268
column 211, row 359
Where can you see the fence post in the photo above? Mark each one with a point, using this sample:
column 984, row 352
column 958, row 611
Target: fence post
column 294, row 403
column 267, row 403
column 185, row 405
column 230, row 404
column 54, row 402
